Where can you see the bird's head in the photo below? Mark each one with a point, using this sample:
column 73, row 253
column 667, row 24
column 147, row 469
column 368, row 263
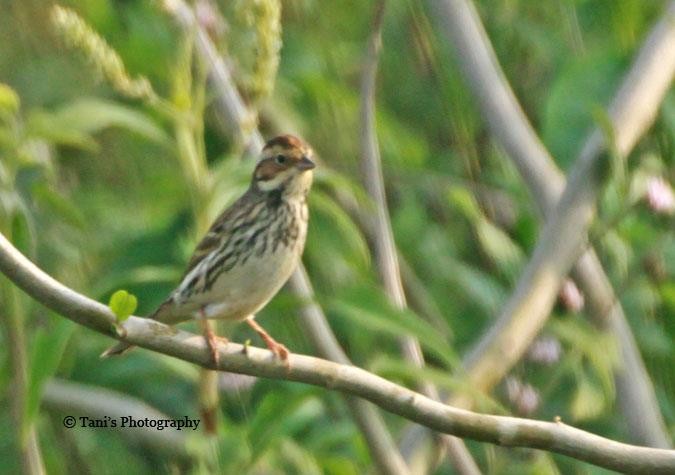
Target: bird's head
column 286, row 165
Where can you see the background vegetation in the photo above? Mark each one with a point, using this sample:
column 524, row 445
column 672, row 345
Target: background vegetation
column 108, row 185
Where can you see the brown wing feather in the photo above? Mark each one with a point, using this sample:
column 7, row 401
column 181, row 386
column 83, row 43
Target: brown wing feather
column 208, row 244
column 217, row 232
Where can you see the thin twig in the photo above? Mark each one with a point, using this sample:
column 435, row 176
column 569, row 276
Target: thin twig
column 632, row 112
column 26, row 434
column 241, row 122
column 383, row 236
column 507, row 431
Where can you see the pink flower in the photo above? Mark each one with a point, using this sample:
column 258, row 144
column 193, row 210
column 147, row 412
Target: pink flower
column 528, row 402
column 523, row 396
column 660, row 196
column 545, row 350
column 571, row 296
column 208, row 17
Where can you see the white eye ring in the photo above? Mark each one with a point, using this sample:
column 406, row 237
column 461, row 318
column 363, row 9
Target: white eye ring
column 280, row 159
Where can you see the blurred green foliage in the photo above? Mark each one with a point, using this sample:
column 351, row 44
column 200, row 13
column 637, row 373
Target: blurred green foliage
column 106, row 192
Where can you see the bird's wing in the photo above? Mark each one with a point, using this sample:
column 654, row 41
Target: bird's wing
column 213, row 239
column 208, row 244
column 218, row 232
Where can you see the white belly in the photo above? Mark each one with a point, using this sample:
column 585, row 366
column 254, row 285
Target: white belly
column 246, row 289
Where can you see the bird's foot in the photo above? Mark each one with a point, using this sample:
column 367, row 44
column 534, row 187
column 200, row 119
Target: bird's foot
column 212, row 340
column 278, row 349
column 212, row 343
column 274, row 346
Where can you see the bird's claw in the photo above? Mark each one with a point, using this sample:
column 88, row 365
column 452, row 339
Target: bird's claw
column 279, row 349
column 212, row 343
column 274, row 346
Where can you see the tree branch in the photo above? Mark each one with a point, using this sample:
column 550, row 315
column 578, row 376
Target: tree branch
column 507, row 431
column 546, row 182
column 382, row 234
column 632, row 111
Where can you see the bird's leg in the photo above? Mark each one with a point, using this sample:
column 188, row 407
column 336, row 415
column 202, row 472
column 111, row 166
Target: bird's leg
column 209, row 336
column 275, row 347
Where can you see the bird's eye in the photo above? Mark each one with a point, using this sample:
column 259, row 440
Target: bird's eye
column 280, row 159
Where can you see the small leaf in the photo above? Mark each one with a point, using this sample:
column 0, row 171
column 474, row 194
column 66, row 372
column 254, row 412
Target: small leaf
column 461, row 199
column 668, row 113
column 654, row 340
column 57, row 204
column 455, row 382
column 479, row 287
column 500, row 247
column 89, row 116
column 345, row 230
column 588, row 402
column 347, row 187
column 9, row 99
column 584, row 84
column 368, row 308
column 76, row 123
column 123, row 304
column 276, row 418
column 22, row 232
column 49, row 127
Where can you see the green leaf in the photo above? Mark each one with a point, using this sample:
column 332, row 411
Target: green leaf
column 345, row 186
column 479, row 287
column 9, row 99
column 294, row 458
column 75, row 123
column 94, row 115
column 58, row 205
column 123, row 304
column 668, row 113
column 654, row 340
column 585, row 84
column 368, row 308
column 339, row 464
column 46, row 354
column 277, row 417
column 463, row 200
column 401, row 148
column 454, row 382
column 500, row 247
column 667, row 291
column 346, row 231
column 22, row 232
column 599, row 348
column 588, row 401
column 618, row 251
column 47, row 126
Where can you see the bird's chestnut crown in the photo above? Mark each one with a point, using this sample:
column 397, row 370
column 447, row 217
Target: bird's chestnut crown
column 283, row 158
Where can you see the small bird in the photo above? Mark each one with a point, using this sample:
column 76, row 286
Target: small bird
column 249, row 251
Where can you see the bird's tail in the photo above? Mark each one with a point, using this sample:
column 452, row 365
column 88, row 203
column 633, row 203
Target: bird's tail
column 123, row 347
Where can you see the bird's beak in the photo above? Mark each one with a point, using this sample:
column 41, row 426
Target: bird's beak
column 305, row 164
